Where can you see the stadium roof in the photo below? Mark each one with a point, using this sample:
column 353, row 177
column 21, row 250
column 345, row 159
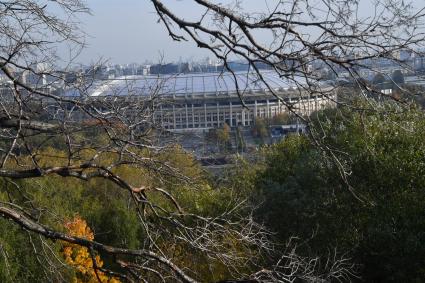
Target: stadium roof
column 190, row 84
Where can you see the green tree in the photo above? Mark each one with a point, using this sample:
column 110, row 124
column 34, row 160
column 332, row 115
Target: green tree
column 281, row 119
column 397, row 77
column 260, row 129
column 378, row 79
column 378, row 219
column 223, row 137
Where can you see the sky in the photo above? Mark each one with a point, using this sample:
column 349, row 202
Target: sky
column 127, row 31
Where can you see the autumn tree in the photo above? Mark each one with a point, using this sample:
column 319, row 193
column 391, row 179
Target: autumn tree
column 87, row 264
column 49, row 134
column 49, row 137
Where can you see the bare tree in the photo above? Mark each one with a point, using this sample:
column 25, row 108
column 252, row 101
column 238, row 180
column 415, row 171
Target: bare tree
column 40, row 106
column 301, row 40
column 293, row 36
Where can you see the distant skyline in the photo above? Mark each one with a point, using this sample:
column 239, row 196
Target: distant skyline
column 127, row 31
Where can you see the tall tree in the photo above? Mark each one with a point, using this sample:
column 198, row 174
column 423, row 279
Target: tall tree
column 46, row 136
column 301, row 194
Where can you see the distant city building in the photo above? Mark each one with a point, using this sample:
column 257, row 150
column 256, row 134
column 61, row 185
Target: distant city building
column 163, row 69
column 203, row 101
column 202, row 95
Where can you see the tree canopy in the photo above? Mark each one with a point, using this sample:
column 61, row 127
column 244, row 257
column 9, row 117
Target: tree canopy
column 374, row 213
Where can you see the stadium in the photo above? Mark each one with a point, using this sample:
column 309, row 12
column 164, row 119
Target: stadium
column 203, row 101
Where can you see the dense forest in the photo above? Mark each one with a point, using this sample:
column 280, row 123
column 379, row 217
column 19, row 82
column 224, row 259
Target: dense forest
column 96, row 185
column 361, row 196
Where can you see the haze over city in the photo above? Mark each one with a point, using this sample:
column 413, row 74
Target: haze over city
column 128, row 31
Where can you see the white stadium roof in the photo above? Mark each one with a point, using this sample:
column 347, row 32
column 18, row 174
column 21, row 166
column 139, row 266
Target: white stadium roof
column 188, row 84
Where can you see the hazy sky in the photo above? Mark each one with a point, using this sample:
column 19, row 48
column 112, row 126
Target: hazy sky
column 126, row 31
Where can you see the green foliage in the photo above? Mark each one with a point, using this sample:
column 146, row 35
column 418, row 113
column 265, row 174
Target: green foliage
column 260, row 130
column 379, row 79
column 223, row 137
column 240, row 141
column 282, row 119
column 379, row 220
column 397, row 77
column 223, row 134
column 15, row 263
column 303, row 194
column 110, row 213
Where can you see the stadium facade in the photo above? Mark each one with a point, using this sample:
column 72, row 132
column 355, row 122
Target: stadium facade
column 203, row 101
